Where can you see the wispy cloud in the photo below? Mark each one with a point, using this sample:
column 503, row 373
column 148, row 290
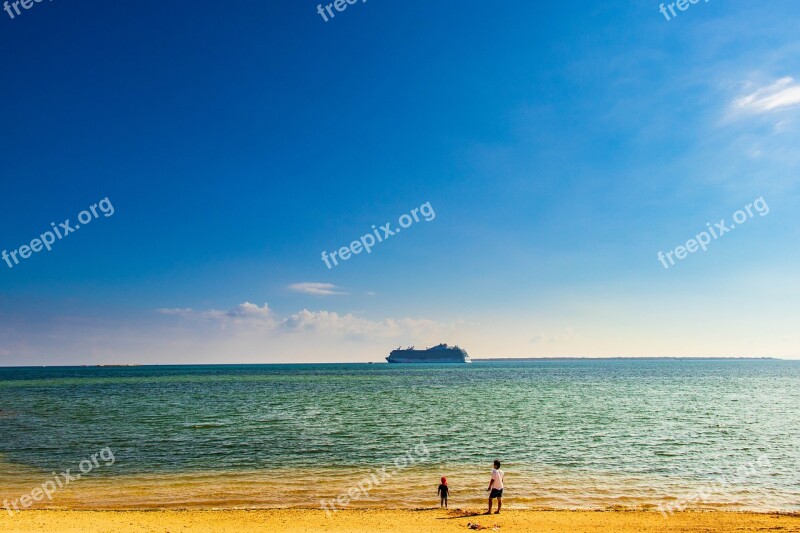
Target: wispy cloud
column 243, row 314
column 348, row 325
column 244, row 311
column 176, row 311
column 317, row 289
column 782, row 93
column 565, row 336
column 327, row 324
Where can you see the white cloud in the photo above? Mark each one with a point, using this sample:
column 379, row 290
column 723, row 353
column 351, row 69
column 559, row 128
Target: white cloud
column 348, row 325
column 784, row 92
column 246, row 310
column 317, row 289
column 248, row 316
column 243, row 314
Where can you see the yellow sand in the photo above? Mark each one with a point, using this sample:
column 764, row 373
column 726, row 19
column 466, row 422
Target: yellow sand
column 422, row 521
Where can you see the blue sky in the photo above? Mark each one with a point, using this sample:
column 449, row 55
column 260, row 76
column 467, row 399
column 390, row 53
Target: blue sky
column 561, row 146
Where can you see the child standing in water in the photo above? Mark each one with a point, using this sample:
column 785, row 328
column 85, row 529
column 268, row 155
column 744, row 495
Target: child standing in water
column 443, row 492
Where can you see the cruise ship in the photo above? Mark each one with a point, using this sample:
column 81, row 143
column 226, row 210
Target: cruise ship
column 438, row 354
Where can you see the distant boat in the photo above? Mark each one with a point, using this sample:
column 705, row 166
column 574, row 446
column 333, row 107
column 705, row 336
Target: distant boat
column 441, row 353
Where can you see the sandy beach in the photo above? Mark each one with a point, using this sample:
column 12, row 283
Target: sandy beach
column 417, row 521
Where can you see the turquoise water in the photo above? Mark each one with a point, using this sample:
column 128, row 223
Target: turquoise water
column 588, row 434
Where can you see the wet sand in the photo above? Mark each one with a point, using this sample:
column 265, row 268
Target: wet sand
column 402, row 521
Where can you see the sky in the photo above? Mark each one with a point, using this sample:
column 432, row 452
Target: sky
column 555, row 149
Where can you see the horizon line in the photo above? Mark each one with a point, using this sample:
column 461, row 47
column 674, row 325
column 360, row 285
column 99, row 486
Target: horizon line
column 474, row 360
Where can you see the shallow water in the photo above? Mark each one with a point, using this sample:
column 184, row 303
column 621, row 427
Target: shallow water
column 571, row 434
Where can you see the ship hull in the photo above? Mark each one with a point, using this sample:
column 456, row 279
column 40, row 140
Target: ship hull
column 407, row 360
column 457, row 356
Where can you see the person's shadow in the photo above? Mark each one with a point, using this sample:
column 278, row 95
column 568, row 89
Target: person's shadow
column 455, row 514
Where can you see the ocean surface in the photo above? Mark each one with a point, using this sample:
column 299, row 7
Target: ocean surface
column 587, row 434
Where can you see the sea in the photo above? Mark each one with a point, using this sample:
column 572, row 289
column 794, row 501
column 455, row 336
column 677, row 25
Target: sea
column 570, row 434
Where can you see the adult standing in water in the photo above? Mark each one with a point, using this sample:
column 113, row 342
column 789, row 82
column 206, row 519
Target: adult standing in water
column 496, row 487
